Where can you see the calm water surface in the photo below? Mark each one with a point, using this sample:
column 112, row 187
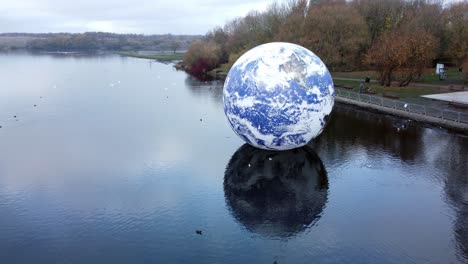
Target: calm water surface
column 123, row 159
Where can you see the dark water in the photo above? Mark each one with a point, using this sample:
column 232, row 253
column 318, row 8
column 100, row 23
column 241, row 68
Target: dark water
column 123, row 159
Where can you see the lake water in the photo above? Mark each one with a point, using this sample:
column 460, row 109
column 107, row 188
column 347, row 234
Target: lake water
column 122, row 160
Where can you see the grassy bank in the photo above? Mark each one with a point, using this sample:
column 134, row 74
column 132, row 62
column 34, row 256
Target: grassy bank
column 159, row 57
column 454, row 77
column 361, row 75
column 402, row 92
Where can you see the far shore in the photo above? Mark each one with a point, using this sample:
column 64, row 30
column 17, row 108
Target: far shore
column 166, row 57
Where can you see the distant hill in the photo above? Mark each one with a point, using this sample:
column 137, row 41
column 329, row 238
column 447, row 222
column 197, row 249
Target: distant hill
column 95, row 41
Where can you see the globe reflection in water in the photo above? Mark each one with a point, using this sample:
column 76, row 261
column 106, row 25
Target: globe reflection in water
column 276, row 194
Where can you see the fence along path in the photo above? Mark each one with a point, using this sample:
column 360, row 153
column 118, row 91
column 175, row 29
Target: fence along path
column 443, row 114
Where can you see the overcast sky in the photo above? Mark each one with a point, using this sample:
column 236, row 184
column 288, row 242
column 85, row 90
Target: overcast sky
column 122, row 16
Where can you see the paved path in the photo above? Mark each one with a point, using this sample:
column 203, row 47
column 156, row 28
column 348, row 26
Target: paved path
column 457, row 126
column 448, row 87
column 457, row 97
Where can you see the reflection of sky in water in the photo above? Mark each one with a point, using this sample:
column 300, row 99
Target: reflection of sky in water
column 128, row 172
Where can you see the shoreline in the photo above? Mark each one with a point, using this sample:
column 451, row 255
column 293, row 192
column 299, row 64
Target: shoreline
column 455, row 126
column 458, row 127
column 164, row 57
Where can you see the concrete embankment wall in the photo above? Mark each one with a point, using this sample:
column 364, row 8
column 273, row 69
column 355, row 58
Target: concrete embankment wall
column 452, row 125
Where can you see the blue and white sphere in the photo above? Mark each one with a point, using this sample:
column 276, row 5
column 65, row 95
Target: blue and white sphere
column 278, row 96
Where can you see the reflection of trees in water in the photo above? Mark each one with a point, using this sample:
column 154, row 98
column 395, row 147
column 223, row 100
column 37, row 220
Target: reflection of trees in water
column 352, row 130
column 213, row 88
column 453, row 160
column 275, row 193
column 448, row 154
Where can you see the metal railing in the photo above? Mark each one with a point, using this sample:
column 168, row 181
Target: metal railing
column 445, row 114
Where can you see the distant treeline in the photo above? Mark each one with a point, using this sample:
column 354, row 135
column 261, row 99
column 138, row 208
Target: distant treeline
column 91, row 41
column 394, row 37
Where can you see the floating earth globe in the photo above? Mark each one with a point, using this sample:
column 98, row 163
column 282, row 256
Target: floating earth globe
column 278, row 96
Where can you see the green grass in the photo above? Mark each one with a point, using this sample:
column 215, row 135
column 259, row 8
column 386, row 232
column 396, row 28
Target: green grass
column 159, row 57
column 361, row 75
column 453, row 77
column 428, row 77
column 223, row 68
column 402, row 92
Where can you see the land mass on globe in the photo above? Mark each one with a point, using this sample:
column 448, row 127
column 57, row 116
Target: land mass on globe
column 278, row 96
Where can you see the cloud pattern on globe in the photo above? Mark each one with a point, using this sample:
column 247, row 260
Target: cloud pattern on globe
column 278, row 96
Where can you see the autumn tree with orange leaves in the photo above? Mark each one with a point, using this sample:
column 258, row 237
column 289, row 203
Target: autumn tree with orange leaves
column 401, row 51
column 398, row 38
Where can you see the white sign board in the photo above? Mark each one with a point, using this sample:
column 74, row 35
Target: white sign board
column 439, row 67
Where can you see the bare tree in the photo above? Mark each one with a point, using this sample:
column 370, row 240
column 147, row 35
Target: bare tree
column 175, row 45
column 337, row 33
